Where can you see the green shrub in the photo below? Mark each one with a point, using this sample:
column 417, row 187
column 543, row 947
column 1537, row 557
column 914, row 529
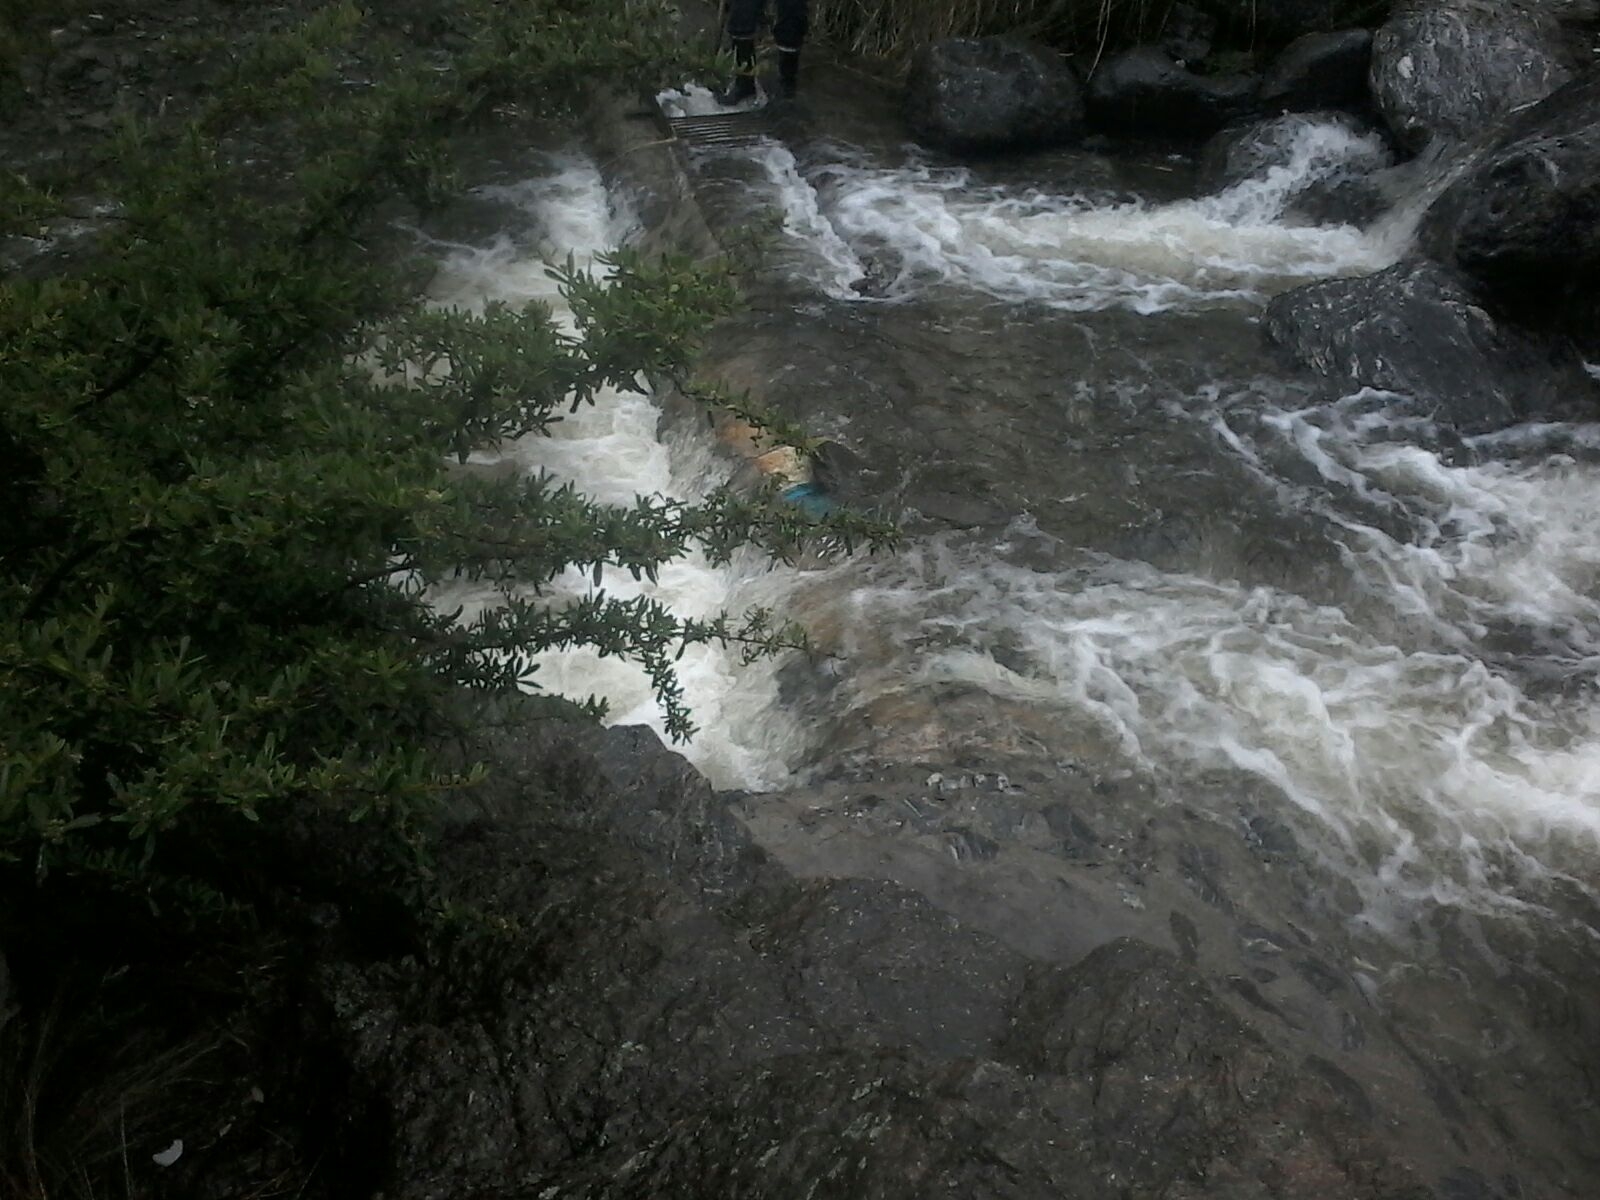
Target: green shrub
column 223, row 462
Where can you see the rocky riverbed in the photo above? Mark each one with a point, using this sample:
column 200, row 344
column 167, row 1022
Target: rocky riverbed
column 1013, row 926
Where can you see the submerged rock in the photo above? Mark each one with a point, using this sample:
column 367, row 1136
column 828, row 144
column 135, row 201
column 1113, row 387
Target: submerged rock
column 1334, row 157
column 1320, row 70
column 1524, row 220
column 1145, row 93
column 977, row 95
column 1417, row 330
column 1447, row 69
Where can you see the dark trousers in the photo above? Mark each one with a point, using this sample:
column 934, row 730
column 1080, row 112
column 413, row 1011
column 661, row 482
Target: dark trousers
column 789, row 30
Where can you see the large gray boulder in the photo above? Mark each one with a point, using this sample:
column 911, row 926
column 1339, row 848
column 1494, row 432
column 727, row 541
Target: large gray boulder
column 1524, row 220
column 1143, row 92
column 1417, row 330
column 977, row 95
column 1320, row 70
column 1448, row 69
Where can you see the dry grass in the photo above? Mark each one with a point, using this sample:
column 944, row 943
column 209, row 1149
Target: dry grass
column 891, row 29
column 71, row 1105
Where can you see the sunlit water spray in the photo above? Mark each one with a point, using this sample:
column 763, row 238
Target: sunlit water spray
column 611, row 451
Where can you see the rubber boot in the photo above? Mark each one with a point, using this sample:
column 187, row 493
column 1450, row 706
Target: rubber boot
column 788, row 73
column 743, row 86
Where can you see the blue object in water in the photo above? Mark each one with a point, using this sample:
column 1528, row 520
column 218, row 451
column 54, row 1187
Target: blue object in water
column 807, row 499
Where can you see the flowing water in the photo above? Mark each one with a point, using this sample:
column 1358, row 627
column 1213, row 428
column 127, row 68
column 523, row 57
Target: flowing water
column 613, row 452
column 1400, row 636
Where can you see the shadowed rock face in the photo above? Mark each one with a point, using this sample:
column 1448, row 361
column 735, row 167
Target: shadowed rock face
column 661, row 1010
column 980, row 95
column 1417, row 330
column 1448, row 69
column 1524, row 220
column 1320, row 70
column 1143, row 92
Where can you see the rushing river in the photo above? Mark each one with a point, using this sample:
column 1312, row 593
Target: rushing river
column 1399, row 637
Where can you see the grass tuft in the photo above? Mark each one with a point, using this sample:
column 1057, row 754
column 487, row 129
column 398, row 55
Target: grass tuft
column 891, row 29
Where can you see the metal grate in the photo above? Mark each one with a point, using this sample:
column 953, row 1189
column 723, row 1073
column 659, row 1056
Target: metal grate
column 720, row 129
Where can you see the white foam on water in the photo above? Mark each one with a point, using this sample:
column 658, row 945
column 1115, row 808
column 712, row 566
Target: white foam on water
column 612, row 453
column 1436, row 779
column 696, row 100
column 1503, row 543
column 827, row 260
column 937, row 226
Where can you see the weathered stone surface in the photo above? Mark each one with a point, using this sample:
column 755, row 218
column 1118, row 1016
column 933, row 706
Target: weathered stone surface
column 1416, row 329
column 650, row 1007
column 1524, row 220
column 975, row 95
column 1333, row 156
column 1320, row 70
column 1447, row 69
column 1143, row 92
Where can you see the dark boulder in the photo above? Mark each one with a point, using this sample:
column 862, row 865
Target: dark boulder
column 1332, row 160
column 977, row 95
column 1144, row 92
column 1187, row 33
column 1320, row 70
column 1524, row 220
column 1416, row 329
column 1450, row 68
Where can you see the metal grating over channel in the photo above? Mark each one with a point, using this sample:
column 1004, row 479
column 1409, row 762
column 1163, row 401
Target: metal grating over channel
column 720, row 129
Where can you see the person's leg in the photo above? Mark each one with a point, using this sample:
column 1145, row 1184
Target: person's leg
column 789, row 31
column 744, row 19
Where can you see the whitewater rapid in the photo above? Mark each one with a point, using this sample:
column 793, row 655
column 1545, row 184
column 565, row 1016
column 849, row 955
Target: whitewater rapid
column 613, row 451
column 1436, row 718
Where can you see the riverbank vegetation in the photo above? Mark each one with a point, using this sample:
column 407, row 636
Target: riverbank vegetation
column 227, row 439
column 892, row 29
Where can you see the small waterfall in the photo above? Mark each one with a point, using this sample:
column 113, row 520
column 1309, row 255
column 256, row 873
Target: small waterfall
column 1071, row 250
column 612, row 452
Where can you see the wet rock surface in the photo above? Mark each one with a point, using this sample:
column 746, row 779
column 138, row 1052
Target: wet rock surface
column 654, row 1006
column 1523, row 221
column 1143, row 92
column 1418, row 330
column 1447, row 69
column 978, row 95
